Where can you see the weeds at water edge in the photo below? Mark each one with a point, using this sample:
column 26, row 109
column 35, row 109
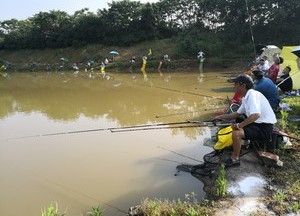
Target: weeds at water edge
column 284, row 119
column 189, row 207
column 52, row 210
column 221, row 182
column 95, row 211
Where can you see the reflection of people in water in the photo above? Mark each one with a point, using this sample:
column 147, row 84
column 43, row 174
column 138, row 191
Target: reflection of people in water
column 165, row 59
column 106, row 61
column 75, row 68
column 201, row 58
column 102, row 69
column 132, row 63
column 149, row 54
column 2, row 71
column 143, row 68
column 132, row 66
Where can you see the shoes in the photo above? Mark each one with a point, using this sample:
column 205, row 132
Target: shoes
column 232, row 163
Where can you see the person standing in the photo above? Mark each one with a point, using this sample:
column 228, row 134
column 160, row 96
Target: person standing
column 143, row 68
column 201, row 58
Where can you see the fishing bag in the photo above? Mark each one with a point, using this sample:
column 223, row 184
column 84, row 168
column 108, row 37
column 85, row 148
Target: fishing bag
column 224, row 138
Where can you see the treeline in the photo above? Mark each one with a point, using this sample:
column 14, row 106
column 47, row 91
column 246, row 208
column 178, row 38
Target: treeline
column 209, row 24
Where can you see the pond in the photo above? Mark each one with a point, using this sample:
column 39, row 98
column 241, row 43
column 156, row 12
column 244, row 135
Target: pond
column 113, row 170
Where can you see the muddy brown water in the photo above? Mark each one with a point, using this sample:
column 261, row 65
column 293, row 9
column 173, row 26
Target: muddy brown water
column 113, row 170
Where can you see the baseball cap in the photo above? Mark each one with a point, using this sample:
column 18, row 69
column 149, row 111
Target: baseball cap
column 244, row 79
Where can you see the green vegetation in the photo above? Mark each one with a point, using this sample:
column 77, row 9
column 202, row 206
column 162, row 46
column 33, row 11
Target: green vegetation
column 286, row 199
column 179, row 28
column 284, row 119
column 95, row 211
column 52, row 210
column 225, row 34
column 221, row 182
column 176, row 208
column 279, row 196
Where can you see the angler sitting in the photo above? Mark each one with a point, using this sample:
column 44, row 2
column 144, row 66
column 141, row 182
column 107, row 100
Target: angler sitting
column 259, row 122
column 274, row 69
column 285, row 82
column 266, row 86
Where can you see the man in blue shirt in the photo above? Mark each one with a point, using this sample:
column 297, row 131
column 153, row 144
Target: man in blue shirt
column 266, row 86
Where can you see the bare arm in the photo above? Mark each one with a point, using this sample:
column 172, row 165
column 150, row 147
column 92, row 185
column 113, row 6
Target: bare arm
column 227, row 116
column 252, row 118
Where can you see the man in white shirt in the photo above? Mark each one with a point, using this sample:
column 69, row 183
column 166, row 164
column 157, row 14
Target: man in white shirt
column 259, row 122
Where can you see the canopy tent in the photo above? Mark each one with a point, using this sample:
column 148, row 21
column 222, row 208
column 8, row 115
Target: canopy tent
column 290, row 59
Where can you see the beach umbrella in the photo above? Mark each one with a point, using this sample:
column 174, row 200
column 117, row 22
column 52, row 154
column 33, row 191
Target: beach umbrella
column 113, row 52
column 270, row 51
column 296, row 51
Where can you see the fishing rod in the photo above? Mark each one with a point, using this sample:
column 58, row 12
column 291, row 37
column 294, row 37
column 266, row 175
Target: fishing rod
column 182, row 155
column 191, row 93
column 197, row 124
column 104, row 129
column 183, row 92
column 182, row 113
column 155, row 128
column 286, row 79
column 286, row 135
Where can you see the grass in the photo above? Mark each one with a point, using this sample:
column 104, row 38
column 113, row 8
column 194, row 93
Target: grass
column 23, row 59
column 41, row 60
column 52, row 210
column 279, row 196
column 287, row 199
column 221, row 182
column 95, row 211
column 189, row 207
column 284, row 119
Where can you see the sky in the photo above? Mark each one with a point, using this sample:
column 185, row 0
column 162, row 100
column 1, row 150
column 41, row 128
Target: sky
column 22, row 9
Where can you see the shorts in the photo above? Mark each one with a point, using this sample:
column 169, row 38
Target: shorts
column 259, row 132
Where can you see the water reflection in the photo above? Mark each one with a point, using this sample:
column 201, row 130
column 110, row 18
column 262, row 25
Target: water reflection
column 66, row 98
column 83, row 170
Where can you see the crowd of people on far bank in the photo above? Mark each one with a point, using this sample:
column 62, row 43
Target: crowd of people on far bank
column 257, row 95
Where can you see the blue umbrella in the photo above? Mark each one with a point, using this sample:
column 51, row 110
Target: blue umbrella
column 114, row 52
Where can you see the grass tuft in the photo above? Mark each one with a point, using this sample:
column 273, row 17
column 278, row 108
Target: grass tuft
column 95, row 211
column 52, row 210
column 221, row 182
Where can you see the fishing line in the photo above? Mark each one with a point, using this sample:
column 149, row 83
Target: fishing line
column 104, row 129
column 182, row 155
